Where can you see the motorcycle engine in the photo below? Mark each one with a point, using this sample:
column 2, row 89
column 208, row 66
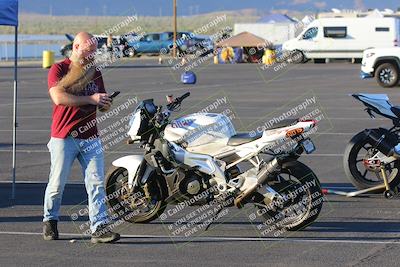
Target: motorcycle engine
column 191, row 185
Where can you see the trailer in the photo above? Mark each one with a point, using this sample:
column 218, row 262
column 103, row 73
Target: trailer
column 344, row 38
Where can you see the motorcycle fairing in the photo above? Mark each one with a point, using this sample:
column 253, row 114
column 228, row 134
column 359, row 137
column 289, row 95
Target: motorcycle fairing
column 378, row 103
column 131, row 163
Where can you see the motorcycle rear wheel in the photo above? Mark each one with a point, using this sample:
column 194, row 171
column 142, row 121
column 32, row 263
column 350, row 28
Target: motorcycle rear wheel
column 356, row 172
column 304, row 198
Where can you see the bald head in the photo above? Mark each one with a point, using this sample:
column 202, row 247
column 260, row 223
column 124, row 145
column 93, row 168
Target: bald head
column 84, row 47
column 83, row 37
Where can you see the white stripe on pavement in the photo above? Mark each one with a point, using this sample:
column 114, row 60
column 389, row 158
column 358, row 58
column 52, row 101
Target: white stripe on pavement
column 222, row 238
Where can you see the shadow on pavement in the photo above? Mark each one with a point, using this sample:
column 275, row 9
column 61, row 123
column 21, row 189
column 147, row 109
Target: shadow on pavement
column 39, row 219
column 32, row 194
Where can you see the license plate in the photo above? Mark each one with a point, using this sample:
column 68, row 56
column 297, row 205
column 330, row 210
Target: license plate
column 308, row 146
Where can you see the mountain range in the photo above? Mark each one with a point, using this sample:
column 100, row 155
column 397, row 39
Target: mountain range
column 190, row 7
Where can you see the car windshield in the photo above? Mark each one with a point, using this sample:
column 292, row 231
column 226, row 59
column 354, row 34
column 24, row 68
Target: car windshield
column 310, row 33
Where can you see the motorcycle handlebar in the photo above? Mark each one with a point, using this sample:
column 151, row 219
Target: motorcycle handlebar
column 177, row 101
column 180, row 98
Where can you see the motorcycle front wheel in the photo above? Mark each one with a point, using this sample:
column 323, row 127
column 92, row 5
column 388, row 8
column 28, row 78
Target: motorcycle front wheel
column 142, row 206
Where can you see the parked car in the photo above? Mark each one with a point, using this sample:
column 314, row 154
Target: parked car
column 156, row 43
column 344, row 38
column 66, row 49
column 383, row 64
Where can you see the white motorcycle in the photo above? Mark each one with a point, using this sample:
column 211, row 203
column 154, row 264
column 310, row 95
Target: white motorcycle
column 202, row 155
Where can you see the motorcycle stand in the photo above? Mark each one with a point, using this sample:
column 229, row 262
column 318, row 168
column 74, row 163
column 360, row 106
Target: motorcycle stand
column 388, row 192
column 214, row 218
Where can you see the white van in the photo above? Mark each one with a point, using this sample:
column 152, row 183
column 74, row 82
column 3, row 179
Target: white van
column 343, row 38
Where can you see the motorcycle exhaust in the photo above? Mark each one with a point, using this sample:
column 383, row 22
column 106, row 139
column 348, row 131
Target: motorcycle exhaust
column 262, row 176
column 382, row 140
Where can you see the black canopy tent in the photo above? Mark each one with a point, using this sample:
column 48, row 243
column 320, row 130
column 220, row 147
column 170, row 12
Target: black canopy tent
column 9, row 17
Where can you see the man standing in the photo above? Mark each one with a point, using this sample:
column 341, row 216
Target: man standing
column 77, row 90
column 110, row 47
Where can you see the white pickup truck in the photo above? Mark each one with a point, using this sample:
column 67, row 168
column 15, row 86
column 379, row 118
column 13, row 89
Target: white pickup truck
column 383, row 64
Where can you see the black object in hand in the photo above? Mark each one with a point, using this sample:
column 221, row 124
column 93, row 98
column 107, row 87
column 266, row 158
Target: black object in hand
column 114, row 94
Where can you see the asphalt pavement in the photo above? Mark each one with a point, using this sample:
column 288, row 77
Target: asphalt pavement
column 350, row 231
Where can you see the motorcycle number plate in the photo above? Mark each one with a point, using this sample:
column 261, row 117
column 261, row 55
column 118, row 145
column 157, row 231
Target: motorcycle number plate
column 308, row 146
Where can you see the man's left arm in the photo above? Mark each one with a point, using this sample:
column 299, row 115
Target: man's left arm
column 102, row 89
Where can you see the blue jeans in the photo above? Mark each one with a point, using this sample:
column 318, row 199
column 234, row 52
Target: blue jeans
column 63, row 152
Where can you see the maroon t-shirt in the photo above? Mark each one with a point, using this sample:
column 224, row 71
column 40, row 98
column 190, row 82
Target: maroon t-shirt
column 79, row 122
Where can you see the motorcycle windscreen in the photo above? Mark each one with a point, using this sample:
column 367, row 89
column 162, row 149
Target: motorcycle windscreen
column 134, row 124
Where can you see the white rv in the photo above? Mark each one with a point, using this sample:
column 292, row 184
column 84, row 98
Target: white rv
column 344, row 38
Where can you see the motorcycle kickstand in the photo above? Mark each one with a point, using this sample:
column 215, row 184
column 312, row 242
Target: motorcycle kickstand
column 214, row 217
column 217, row 213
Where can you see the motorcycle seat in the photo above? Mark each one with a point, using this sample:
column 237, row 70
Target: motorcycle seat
column 283, row 123
column 243, row 138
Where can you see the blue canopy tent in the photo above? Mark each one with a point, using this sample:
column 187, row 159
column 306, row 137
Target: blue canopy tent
column 9, row 17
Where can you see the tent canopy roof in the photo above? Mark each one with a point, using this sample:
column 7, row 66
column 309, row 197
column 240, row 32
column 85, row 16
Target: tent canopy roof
column 276, row 18
column 244, row 39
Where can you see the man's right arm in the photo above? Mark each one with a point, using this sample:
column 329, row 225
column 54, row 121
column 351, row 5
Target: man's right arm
column 60, row 97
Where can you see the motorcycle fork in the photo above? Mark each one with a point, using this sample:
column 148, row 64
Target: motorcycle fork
column 146, row 190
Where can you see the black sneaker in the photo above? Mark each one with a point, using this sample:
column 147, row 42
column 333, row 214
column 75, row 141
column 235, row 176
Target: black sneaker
column 50, row 231
column 104, row 235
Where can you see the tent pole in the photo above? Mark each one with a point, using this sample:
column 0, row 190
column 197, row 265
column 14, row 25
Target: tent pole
column 14, row 113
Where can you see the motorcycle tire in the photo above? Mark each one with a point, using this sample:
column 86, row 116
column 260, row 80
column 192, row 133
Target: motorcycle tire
column 312, row 201
column 357, row 176
column 116, row 183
